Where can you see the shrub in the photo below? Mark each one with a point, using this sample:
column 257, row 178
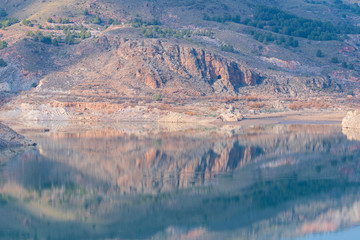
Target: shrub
column 28, row 23
column 34, row 85
column 319, row 53
column 64, row 20
column 2, row 63
column 39, row 37
column 96, row 20
column 334, row 60
column 86, row 12
column 227, row 48
column 3, row 44
column 267, row 37
column 344, row 64
column 157, row 97
column 8, row 22
column 3, row 13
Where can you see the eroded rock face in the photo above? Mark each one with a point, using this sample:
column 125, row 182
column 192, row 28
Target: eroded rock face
column 352, row 120
column 159, row 64
column 9, row 138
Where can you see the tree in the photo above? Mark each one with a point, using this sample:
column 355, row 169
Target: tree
column 54, row 42
column 28, row 23
column 2, row 63
column 3, row 13
column 86, row 12
column 3, row 44
column 334, row 60
column 157, row 97
column 344, row 65
column 227, row 48
column 69, row 38
column 96, row 20
column 319, row 53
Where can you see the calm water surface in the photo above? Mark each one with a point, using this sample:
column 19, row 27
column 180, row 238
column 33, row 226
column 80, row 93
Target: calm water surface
column 139, row 182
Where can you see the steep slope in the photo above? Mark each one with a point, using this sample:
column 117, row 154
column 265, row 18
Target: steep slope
column 166, row 54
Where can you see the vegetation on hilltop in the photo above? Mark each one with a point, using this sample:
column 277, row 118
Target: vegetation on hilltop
column 281, row 40
column 278, row 21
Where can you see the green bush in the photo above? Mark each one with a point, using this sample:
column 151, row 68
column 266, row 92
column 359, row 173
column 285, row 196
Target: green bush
column 8, row 22
column 319, row 53
column 64, row 20
column 334, row 60
column 139, row 22
column 39, row 37
column 156, row 97
column 3, row 13
column 156, row 31
column 2, row 63
column 3, row 45
column 223, row 19
column 97, row 20
column 227, row 48
column 28, row 23
column 267, row 37
column 351, row 93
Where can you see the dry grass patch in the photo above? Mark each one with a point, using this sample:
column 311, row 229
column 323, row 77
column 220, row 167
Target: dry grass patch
column 317, row 104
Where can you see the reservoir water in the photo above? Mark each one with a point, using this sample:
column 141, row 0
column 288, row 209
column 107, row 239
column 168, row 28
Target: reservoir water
column 148, row 182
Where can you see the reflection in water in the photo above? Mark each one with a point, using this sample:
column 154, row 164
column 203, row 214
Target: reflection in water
column 272, row 182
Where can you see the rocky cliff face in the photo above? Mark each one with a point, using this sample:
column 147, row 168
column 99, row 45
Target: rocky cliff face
column 160, row 64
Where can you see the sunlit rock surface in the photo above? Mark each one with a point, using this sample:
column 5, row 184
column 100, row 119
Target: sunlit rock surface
column 352, row 120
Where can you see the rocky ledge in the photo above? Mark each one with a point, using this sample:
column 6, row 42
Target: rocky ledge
column 9, row 138
column 352, row 120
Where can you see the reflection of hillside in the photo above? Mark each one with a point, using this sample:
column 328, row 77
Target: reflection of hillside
column 259, row 183
column 166, row 161
column 352, row 133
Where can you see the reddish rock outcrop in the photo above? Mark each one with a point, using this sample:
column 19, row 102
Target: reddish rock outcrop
column 159, row 64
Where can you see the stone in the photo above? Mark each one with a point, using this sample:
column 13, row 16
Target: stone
column 352, row 120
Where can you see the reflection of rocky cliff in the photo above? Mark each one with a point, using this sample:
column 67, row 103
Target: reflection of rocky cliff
column 259, row 183
column 167, row 161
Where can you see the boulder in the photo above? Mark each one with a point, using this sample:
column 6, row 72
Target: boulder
column 231, row 117
column 352, row 120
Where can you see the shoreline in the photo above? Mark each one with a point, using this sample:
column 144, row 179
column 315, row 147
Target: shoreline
column 298, row 117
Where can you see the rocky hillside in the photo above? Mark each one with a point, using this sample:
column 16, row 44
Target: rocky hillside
column 95, row 58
